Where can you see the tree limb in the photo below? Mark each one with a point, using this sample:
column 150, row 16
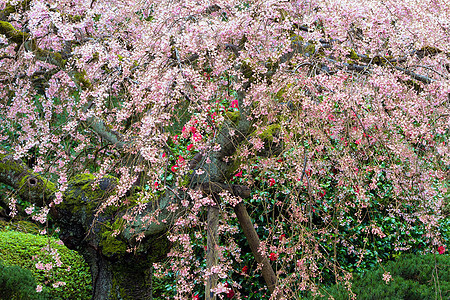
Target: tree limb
column 24, row 181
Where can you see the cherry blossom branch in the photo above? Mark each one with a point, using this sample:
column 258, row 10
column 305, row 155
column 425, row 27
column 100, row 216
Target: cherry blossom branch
column 416, row 76
column 431, row 69
column 304, row 164
column 39, row 190
column 214, row 188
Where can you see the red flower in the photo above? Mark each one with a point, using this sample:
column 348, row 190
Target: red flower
column 273, row 256
column 174, row 168
column 244, row 270
column 156, row 184
column 189, row 147
column 164, row 155
column 441, row 249
column 271, row 182
column 213, row 115
column 180, row 160
column 230, row 292
column 238, row 174
column 195, row 297
column 234, row 104
column 282, row 237
column 197, row 137
column 193, row 129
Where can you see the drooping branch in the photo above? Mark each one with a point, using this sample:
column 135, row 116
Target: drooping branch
column 247, row 227
column 56, row 58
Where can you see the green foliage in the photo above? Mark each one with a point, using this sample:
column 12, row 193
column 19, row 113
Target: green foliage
column 364, row 233
column 17, row 283
column 163, row 288
column 354, row 226
column 26, row 250
column 413, row 277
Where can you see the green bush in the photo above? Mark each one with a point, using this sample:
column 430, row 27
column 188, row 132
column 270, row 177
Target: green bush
column 21, row 226
column 413, row 277
column 17, row 283
column 27, row 250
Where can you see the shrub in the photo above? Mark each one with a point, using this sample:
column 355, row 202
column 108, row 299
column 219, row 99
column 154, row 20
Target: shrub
column 18, row 283
column 413, row 277
column 20, row 226
column 28, row 250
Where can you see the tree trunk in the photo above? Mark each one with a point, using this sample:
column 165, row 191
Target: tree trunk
column 129, row 278
column 211, row 252
column 116, row 272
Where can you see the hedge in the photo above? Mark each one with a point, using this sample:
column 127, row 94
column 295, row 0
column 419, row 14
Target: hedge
column 28, row 250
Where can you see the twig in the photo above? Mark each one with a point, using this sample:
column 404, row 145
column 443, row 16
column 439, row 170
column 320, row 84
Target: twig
column 304, row 166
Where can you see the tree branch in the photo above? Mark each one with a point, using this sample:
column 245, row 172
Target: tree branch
column 111, row 136
column 254, row 242
column 24, row 181
column 212, row 188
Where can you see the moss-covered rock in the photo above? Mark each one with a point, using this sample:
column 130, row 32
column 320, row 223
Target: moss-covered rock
column 13, row 34
column 80, row 78
column 112, row 246
column 269, row 132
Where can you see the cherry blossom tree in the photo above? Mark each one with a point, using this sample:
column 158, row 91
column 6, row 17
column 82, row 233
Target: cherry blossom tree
column 140, row 126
